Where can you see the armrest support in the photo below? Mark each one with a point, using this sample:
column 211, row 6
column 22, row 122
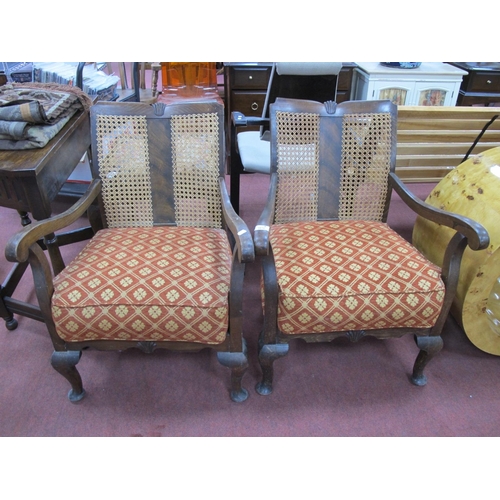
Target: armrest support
column 477, row 236
column 237, row 226
column 17, row 248
column 240, row 120
column 261, row 232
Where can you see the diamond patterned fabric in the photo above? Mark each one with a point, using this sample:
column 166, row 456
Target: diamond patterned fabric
column 351, row 275
column 152, row 283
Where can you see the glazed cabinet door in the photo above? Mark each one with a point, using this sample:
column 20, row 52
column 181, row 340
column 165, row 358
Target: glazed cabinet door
column 436, row 93
column 400, row 93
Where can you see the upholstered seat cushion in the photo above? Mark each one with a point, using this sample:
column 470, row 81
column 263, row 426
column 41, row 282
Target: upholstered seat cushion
column 153, row 283
column 351, row 275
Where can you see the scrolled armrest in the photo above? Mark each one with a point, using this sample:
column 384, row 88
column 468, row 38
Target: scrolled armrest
column 17, row 248
column 261, row 231
column 237, row 226
column 476, row 234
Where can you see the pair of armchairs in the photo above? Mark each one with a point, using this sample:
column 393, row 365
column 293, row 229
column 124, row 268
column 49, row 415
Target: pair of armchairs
column 166, row 266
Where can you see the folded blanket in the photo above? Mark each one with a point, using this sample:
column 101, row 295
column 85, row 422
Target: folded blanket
column 31, row 114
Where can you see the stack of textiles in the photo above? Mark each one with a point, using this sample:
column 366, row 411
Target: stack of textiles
column 31, row 114
column 95, row 82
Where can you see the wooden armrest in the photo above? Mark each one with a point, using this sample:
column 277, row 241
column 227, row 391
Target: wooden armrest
column 261, row 231
column 237, row 226
column 17, row 248
column 240, row 120
column 476, row 234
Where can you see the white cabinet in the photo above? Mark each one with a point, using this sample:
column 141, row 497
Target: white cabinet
column 431, row 84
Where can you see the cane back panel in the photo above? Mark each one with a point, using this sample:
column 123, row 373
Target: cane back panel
column 140, row 154
column 333, row 162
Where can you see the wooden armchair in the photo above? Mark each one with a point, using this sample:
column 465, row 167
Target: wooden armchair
column 166, row 270
column 331, row 265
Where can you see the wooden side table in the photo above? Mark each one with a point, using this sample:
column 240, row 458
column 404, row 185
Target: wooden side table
column 29, row 182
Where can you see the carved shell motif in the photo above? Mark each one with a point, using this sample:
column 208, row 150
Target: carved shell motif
column 330, row 107
column 356, row 335
column 146, row 346
column 159, row 108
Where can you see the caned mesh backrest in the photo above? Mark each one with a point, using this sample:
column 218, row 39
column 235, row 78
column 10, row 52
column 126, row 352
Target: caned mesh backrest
column 195, row 158
column 141, row 157
column 365, row 166
column 344, row 157
column 123, row 158
column 298, row 166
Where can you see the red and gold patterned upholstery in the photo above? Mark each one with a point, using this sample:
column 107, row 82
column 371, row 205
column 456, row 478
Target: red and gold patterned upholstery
column 351, row 275
column 146, row 284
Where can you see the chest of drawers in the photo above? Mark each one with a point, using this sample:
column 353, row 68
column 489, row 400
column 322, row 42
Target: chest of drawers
column 481, row 84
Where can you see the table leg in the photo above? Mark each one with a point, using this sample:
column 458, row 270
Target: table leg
column 8, row 316
column 25, row 218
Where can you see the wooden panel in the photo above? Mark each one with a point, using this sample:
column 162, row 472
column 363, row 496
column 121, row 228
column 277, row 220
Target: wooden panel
column 250, row 78
column 484, row 82
column 248, row 103
column 433, row 141
column 344, row 80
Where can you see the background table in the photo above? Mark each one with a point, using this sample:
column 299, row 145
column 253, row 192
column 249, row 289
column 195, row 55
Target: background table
column 29, row 182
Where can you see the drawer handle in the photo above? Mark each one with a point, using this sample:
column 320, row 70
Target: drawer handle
column 488, row 81
column 250, row 77
column 254, row 106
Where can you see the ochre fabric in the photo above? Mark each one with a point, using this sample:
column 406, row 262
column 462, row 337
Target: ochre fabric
column 351, row 275
column 153, row 283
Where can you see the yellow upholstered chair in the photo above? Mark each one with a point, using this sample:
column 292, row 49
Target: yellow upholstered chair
column 166, row 269
column 332, row 267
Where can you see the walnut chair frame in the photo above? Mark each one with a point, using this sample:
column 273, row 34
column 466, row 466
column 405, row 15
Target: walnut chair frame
column 333, row 169
column 155, row 168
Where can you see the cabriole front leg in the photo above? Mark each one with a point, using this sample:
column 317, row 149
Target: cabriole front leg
column 238, row 363
column 64, row 362
column 268, row 353
column 429, row 347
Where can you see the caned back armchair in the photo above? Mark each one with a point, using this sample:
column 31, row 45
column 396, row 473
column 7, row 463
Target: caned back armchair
column 332, row 267
column 165, row 266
